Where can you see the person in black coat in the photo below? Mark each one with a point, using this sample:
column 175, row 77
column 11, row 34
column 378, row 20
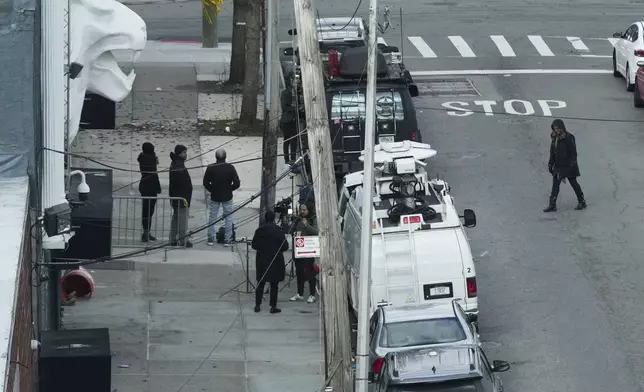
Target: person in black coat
column 270, row 243
column 288, row 123
column 563, row 164
column 180, row 186
column 149, row 187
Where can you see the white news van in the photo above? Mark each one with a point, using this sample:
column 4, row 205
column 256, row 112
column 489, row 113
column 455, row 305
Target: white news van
column 420, row 252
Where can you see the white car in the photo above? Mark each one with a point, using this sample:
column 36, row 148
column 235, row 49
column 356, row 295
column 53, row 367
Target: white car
column 629, row 49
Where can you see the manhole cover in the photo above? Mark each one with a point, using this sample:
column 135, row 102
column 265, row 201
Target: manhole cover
column 515, row 120
column 490, row 345
column 457, row 87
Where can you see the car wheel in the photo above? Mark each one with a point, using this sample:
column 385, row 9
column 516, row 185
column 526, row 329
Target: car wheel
column 629, row 86
column 615, row 71
column 637, row 99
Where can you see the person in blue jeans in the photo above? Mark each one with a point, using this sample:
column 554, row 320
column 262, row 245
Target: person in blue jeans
column 221, row 180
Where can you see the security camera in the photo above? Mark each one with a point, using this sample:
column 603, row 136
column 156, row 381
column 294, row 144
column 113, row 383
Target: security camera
column 83, row 188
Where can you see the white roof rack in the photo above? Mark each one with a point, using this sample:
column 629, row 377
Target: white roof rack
column 388, row 152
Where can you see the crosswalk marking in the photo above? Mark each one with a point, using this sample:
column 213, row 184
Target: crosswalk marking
column 422, row 47
column 462, row 46
column 540, row 45
column 503, row 45
column 495, row 45
column 578, row 44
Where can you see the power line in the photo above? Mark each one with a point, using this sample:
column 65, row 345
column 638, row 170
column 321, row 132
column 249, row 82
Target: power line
column 348, row 23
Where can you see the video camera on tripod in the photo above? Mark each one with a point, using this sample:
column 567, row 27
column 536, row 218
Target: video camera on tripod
column 285, row 211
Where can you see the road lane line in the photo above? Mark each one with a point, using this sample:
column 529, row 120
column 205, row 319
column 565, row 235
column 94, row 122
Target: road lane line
column 503, row 45
column 382, row 41
column 578, row 44
column 422, row 47
column 462, row 46
column 512, row 72
column 540, row 45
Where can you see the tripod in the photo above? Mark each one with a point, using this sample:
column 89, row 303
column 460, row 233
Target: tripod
column 243, row 240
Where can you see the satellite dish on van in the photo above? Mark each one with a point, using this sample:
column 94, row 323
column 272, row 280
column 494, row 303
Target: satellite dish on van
column 387, row 152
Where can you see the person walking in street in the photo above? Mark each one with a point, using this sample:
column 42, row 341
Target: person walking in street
column 221, row 179
column 270, row 243
column 180, row 186
column 306, row 225
column 563, row 165
column 149, row 188
column 288, row 123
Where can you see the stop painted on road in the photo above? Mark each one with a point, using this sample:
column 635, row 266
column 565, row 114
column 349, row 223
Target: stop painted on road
column 516, row 107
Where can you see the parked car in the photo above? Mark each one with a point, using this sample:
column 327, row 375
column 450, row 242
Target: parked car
column 629, row 49
column 638, row 92
column 402, row 328
column 445, row 369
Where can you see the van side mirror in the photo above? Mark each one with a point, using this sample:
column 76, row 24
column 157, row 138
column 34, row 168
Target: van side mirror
column 469, row 218
column 288, row 52
column 413, row 90
column 618, row 35
column 292, row 32
column 500, row 366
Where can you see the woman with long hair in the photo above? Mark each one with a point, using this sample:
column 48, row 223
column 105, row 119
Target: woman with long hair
column 306, row 225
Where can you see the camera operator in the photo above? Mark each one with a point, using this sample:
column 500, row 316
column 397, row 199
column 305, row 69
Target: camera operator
column 305, row 225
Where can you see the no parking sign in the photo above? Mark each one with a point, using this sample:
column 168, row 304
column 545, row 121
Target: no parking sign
column 308, row 246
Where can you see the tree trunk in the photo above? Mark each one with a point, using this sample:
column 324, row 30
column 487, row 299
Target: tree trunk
column 248, row 113
column 238, row 52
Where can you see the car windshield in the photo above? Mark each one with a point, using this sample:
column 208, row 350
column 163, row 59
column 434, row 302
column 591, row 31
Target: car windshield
column 463, row 385
column 422, row 332
column 325, row 46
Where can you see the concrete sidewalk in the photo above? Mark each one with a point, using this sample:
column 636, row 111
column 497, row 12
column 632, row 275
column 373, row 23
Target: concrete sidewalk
column 173, row 328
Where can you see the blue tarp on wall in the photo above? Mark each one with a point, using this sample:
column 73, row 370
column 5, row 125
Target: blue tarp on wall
column 17, row 78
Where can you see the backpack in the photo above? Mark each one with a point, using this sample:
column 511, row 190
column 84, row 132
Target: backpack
column 221, row 235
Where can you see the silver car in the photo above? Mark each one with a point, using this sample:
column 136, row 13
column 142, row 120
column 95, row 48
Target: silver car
column 402, row 328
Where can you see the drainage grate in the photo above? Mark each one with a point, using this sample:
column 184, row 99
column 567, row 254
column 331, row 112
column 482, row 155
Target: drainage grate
column 457, row 87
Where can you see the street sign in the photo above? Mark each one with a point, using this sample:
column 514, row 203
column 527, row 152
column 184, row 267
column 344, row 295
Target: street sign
column 307, row 247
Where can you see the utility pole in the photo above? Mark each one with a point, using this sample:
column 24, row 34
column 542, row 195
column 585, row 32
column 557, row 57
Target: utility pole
column 53, row 92
column 332, row 265
column 271, row 108
column 362, row 358
column 210, row 11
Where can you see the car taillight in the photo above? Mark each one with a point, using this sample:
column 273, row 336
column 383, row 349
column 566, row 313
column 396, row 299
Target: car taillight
column 471, row 287
column 639, row 53
column 376, row 366
column 414, row 135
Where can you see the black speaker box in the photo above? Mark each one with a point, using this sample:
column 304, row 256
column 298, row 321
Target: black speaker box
column 98, row 112
column 92, row 221
column 75, row 360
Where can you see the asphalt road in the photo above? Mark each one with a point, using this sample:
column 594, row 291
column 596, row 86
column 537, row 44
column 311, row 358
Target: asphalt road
column 561, row 293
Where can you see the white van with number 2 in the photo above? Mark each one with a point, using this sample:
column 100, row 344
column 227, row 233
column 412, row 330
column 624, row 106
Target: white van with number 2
column 420, row 251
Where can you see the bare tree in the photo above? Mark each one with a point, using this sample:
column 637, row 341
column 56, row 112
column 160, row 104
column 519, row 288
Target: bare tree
column 238, row 52
column 248, row 113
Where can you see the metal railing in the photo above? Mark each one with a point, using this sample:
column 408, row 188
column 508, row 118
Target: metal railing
column 128, row 220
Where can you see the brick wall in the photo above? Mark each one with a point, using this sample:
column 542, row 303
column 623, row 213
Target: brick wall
column 23, row 360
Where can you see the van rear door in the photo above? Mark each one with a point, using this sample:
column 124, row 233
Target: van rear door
column 440, row 266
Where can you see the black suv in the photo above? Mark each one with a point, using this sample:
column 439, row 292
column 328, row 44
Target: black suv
column 462, row 368
column 346, row 97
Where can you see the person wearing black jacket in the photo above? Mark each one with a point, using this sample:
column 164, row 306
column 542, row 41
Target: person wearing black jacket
column 180, row 186
column 288, row 123
column 149, row 187
column 221, row 179
column 306, row 225
column 270, row 243
column 563, row 165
